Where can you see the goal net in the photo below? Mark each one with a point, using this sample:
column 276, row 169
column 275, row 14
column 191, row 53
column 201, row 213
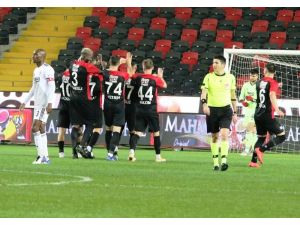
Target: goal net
column 241, row 61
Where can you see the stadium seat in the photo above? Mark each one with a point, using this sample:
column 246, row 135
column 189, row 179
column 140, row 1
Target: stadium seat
column 110, row 44
column 285, row 15
column 124, row 22
column 154, row 34
column 181, row 72
column 206, row 58
column 199, row 46
column 99, row 11
column 240, row 80
column 172, row 59
column 209, row 24
column 58, row 66
column 120, row 53
column 156, row 57
column 278, row 38
column 243, row 25
column 217, row 13
column 260, row 10
column 270, row 46
column 75, row 43
column 159, row 24
column 105, row 54
column 200, row 12
column 261, row 37
column 172, row 34
column 12, row 23
column 289, row 46
column 21, row 12
column 67, row 56
column 101, row 33
column 132, row 12
column 193, row 23
column 260, row 26
column 91, row 21
column 269, row 14
column 251, row 14
column 83, row 32
column 183, row 13
column 138, row 56
column 142, row 22
column 224, row 36
column 234, row 14
column 297, row 16
column 108, row 22
column 128, row 45
column 189, row 58
column 180, row 46
column 253, row 45
column 207, row 35
column 115, row 12
column 293, row 26
column 119, row 33
column 226, row 25
column 92, row 43
column 149, row 12
column 166, row 12
column 216, row 47
column 136, row 34
column 277, row 26
column 146, row 45
column 175, row 23
column 163, row 46
column 189, row 35
column 242, row 36
column 4, row 36
column 294, row 37
column 234, row 44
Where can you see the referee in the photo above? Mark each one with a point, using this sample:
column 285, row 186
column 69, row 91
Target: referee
column 218, row 100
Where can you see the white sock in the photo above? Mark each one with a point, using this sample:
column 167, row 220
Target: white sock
column 37, row 142
column 158, row 156
column 44, row 144
column 131, row 152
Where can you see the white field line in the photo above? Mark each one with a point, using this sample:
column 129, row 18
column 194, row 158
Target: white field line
column 79, row 179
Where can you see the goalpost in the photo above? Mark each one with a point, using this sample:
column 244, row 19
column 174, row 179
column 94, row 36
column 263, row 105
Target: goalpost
column 241, row 61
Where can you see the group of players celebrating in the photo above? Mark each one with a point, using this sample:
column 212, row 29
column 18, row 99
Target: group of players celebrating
column 128, row 97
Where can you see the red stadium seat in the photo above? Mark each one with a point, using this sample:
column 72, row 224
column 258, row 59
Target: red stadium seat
column 100, row 11
column 285, row 16
column 132, row 12
column 233, row 14
column 83, row 32
column 189, row 35
column 163, row 46
column 260, row 26
column 209, row 24
column 108, row 22
column 123, row 68
column 159, row 23
column 92, row 43
column 259, row 9
column 183, row 13
column 224, row 36
column 119, row 52
column 241, row 80
column 260, row 61
column 297, row 16
column 189, row 58
column 278, row 38
column 235, row 44
column 136, row 34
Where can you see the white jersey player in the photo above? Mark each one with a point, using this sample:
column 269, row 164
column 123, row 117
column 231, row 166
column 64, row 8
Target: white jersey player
column 43, row 92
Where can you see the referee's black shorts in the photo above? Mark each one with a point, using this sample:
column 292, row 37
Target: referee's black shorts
column 220, row 117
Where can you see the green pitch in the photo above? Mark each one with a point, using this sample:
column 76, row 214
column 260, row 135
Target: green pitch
column 185, row 186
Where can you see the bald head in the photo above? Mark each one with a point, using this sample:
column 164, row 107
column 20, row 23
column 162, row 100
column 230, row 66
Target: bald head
column 86, row 55
column 39, row 56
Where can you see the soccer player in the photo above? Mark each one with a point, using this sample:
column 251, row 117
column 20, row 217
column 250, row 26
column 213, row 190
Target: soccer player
column 43, row 92
column 85, row 102
column 264, row 117
column 248, row 100
column 147, row 86
column 114, row 109
column 217, row 97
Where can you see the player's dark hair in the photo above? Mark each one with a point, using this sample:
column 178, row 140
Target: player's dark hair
column 221, row 58
column 148, row 64
column 271, row 68
column 254, row 71
column 114, row 60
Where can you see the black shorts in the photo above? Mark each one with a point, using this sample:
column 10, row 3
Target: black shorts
column 85, row 112
column 114, row 114
column 220, row 117
column 130, row 112
column 64, row 114
column 145, row 117
column 266, row 123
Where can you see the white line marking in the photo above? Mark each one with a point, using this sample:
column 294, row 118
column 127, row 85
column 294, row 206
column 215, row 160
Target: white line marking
column 80, row 179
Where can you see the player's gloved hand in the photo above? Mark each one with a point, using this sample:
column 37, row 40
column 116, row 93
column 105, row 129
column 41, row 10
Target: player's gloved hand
column 249, row 98
column 245, row 104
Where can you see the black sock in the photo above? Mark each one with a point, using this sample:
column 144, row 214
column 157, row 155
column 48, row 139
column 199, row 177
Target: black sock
column 260, row 141
column 133, row 141
column 61, row 145
column 273, row 142
column 93, row 139
column 74, row 136
column 86, row 135
column 157, row 144
column 107, row 139
column 131, row 135
column 114, row 142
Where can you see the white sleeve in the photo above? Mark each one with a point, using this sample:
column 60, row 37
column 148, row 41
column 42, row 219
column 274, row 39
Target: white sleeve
column 51, row 85
column 29, row 96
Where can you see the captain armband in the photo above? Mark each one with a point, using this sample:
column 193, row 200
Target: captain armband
column 233, row 99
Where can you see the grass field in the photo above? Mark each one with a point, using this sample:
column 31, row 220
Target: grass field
column 184, row 187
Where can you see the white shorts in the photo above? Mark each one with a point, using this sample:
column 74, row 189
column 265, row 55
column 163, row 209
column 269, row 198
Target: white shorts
column 40, row 114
